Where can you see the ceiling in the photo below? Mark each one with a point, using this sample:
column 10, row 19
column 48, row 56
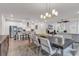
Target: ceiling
column 33, row 10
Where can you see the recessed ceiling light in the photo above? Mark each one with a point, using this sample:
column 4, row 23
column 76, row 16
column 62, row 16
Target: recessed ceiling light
column 11, row 15
column 77, row 12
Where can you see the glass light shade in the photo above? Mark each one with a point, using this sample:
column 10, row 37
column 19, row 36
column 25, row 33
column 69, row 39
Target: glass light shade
column 56, row 13
column 53, row 11
column 41, row 16
column 47, row 14
column 44, row 17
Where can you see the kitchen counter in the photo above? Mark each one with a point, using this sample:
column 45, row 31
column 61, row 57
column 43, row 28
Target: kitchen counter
column 4, row 45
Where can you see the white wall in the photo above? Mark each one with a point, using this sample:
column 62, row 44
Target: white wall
column 6, row 23
column 71, row 27
column 0, row 26
column 3, row 25
column 41, row 26
column 10, row 23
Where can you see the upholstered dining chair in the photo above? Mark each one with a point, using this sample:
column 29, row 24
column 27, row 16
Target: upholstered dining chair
column 59, row 39
column 36, row 44
column 46, row 46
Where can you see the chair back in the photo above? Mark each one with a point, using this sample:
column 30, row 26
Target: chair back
column 45, row 45
column 59, row 39
column 34, row 39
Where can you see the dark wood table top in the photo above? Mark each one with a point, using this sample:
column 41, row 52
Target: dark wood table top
column 65, row 45
column 67, row 42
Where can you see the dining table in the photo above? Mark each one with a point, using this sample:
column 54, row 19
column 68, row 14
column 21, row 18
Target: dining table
column 58, row 45
column 67, row 43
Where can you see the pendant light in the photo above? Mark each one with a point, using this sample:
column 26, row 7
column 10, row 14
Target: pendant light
column 53, row 11
column 44, row 17
column 47, row 14
column 41, row 16
column 56, row 13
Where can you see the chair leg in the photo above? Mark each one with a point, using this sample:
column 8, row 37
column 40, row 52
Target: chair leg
column 72, row 45
column 57, row 51
column 62, row 52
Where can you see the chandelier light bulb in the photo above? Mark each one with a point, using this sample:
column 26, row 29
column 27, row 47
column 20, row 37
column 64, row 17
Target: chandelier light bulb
column 47, row 14
column 44, row 17
column 53, row 11
column 56, row 13
column 41, row 16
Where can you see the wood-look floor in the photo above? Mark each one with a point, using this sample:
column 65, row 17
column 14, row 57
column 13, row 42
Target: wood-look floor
column 21, row 48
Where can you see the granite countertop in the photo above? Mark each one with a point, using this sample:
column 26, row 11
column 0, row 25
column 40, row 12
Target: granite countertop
column 2, row 38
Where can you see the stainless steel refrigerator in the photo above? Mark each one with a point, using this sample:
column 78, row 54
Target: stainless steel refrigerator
column 13, row 31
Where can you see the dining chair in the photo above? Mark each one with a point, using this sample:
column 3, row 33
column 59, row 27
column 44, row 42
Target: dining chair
column 46, row 46
column 58, row 39
column 36, row 44
column 36, row 40
column 77, row 53
column 75, row 50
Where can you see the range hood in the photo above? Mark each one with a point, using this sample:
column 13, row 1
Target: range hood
column 63, row 21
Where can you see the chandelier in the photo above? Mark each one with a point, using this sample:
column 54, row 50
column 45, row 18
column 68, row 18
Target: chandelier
column 49, row 14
